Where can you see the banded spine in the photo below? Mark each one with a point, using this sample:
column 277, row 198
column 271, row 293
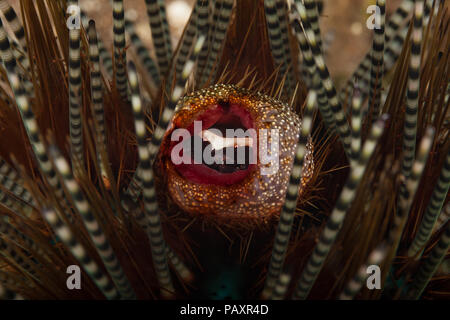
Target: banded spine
column 97, row 94
column 277, row 41
column 376, row 72
column 92, row 226
column 443, row 217
column 152, row 216
column 12, row 233
column 430, row 265
column 394, row 24
column 412, row 101
column 282, row 13
column 142, row 52
column 165, row 24
column 198, row 19
column 163, row 52
column 334, row 224
column 312, row 13
column 32, row 128
column 222, row 23
column 18, row 190
column 356, row 125
column 432, row 211
column 342, row 125
column 64, row 233
column 120, row 56
column 10, row 251
column 75, row 123
column 14, row 23
column 408, row 188
column 281, row 286
column 104, row 54
column 283, row 233
column 317, row 84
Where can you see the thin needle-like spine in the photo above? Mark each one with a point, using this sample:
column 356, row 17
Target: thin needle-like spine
column 335, row 221
column 283, row 233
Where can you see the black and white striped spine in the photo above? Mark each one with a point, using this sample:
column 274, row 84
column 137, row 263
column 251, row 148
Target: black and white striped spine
column 430, row 265
column 153, row 219
column 143, row 53
column 64, row 233
column 105, row 56
column 408, row 188
column 97, row 94
column 443, row 217
column 313, row 17
column 75, row 123
column 277, row 41
column 362, row 71
column 377, row 68
column 32, row 129
column 342, row 125
column 356, row 125
column 281, row 286
column 223, row 20
column 14, row 23
column 158, row 29
column 8, row 249
column 18, row 190
column 317, row 84
column 120, row 56
column 412, row 99
column 94, row 229
column 282, row 13
column 10, row 203
column 26, row 242
column 432, row 211
column 283, row 233
column 8, row 171
column 335, row 221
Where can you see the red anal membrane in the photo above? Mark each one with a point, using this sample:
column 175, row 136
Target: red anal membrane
column 232, row 116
